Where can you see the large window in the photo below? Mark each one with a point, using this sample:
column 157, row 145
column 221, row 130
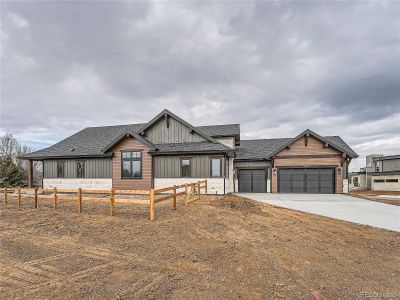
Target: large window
column 131, row 164
column 80, row 169
column 216, row 167
column 60, row 169
column 186, row 168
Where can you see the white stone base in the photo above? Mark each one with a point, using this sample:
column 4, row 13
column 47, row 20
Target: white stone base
column 345, row 186
column 74, row 183
column 215, row 185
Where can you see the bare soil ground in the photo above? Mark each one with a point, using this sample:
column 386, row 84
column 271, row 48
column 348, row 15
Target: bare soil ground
column 371, row 195
column 219, row 247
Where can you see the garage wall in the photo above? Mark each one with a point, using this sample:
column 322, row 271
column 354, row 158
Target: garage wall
column 312, row 155
column 386, row 183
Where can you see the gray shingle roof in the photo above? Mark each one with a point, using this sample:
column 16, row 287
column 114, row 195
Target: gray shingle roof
column 92, row 141
column 265, row 148
column 192, row 147
column 258, row 149
column 221, row 130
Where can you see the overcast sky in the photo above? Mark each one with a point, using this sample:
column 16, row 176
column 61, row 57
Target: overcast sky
column 276, row 68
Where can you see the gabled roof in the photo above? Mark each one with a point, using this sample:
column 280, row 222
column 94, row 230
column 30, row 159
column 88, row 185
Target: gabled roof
column 129, row 133
column 98, row 141
column 335, row 142
column 167, row 112
column 264, row 149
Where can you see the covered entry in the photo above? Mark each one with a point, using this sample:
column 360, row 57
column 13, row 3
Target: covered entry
column 252, row 181
column 306, row 180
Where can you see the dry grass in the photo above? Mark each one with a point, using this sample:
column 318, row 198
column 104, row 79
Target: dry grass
column 215, row 248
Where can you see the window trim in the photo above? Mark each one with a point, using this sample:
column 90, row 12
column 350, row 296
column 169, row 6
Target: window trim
column 190, row 166
column 131, row 160
column 220, row 166
column 84, row 168
column 61, row 162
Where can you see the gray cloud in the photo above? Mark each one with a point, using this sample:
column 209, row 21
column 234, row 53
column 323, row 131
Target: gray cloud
column 275, row 67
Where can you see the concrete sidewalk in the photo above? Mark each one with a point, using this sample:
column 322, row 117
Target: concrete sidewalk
column 341, row 207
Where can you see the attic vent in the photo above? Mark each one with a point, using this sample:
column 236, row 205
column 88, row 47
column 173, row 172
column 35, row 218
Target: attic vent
column 72, row 149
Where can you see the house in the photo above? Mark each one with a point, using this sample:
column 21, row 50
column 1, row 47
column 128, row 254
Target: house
column 382, row 173
column 168, row 150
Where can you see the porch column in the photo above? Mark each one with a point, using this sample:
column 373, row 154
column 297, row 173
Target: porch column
column 30, row 173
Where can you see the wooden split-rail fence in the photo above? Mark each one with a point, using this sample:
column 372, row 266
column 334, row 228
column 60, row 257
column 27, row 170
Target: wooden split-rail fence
column 190, row 191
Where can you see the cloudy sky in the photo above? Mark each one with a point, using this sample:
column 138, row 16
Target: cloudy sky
column 276, row 68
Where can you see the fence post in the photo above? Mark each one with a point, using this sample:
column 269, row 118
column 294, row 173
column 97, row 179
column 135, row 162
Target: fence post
column 174, row 204
column 112, row 202
column 55, row 198
column 206, row 187
column 19, row 196
column 199, row 189
column 5, row 196
column 36, row 198
column 152, row 205
column 79, row 200
column 186, row 194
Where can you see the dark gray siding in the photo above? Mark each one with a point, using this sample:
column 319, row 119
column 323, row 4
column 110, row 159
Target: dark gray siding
column 169, row 166
column 94, row 168
column 176, row 133
column 252, row 164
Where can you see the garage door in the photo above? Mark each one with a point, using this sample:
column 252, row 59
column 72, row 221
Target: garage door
column 306, row 180
column 252, row 181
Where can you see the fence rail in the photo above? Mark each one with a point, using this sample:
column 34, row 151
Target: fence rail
column 191, row 191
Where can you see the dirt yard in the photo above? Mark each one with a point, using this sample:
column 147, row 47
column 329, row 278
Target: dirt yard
column 372, row 196
column 215, row 248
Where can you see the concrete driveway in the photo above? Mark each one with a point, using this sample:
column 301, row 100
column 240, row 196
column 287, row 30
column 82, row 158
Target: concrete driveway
column 337, row 206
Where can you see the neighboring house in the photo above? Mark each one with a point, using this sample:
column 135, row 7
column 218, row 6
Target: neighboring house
column 168, row 150
column 382, row 173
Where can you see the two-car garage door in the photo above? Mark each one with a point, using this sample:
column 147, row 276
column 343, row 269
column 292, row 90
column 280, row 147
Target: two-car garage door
column 311, row 180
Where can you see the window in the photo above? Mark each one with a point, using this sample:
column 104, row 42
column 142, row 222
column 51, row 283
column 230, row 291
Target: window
column 392, row 180
column 186, row 170
column 60, row 169
column 80, row 169
column 377, row 166
column 131, row 164
column 355, row 181
column 216, row 167
column 379, row 180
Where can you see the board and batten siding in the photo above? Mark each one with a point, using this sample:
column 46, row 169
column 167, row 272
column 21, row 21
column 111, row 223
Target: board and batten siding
column 252, row 164
column 94, row 168
column 175, row 133
column 169, row 166
column 131, row 144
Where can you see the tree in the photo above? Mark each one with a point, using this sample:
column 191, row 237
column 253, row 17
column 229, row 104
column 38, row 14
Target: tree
column 10, row 174
column 11, row 148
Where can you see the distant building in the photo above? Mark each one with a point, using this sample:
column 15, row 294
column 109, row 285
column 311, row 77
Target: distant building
column 382, row 173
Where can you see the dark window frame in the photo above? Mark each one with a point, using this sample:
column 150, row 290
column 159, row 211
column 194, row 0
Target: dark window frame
column 60, row 163
column 220, row 158
column 379, row 180
column 393, row 180
column 131, row 160
column 77, row 169
column 190, row 166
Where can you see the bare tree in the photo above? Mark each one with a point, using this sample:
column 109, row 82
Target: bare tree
column 12, row 148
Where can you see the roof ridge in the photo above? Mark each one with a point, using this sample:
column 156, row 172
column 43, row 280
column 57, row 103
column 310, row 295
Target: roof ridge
column 114, row 125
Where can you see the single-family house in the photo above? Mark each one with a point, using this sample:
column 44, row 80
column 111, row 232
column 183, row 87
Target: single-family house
column 168, row 150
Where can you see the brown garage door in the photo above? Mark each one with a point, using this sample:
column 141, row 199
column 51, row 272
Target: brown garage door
column 306, row 180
